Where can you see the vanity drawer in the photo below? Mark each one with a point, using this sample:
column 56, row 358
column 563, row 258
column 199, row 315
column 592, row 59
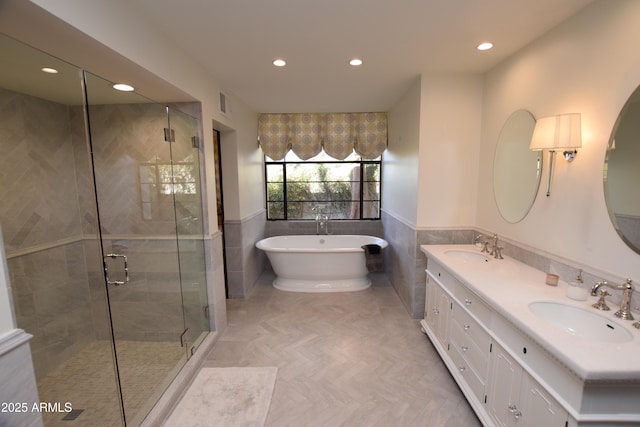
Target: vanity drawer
column 475, row 383
column 475, row 356
column 442, row 275
column 473, row 303
column 470, row 327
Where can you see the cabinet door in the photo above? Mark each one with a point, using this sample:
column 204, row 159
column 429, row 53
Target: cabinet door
column 431, row 303
column 537, row 407
column 437, row 311
column 504, row 382
column 444, row 308
column 514, row 398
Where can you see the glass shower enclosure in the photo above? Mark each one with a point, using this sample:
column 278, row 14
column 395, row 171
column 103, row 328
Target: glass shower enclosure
column 102, row 223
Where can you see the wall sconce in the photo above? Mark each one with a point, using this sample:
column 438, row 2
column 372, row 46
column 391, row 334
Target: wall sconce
column 563, row 132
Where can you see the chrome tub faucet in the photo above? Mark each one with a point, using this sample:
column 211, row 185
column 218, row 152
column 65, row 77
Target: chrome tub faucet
column 322, row 220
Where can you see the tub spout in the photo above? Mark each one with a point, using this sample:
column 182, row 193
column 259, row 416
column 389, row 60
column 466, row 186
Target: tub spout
column 322, row 220
column 322, row 224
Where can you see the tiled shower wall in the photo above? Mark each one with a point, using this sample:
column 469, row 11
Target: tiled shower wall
column 41, row 219
column 49, row 224
column 38, row 182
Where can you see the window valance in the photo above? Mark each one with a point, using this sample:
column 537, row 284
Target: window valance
column 337, row 133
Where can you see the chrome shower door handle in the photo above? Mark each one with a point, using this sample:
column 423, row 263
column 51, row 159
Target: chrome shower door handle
column 126, row 270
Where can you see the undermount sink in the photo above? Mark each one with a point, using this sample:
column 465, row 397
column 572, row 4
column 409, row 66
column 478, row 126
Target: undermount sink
column 580, row 322
column 467, row 256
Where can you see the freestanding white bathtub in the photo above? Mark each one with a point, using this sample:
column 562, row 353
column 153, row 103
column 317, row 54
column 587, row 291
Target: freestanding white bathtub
column 319, row 263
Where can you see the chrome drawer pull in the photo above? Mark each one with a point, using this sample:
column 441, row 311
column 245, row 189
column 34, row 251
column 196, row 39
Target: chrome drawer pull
column 514, row 410
column 461, row 368
column 467, row 302
column 436, row 311
column 464, row 349
column 467, row 327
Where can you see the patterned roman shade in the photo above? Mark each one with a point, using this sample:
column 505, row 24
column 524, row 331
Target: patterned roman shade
column 337, row 133
column 273, row 134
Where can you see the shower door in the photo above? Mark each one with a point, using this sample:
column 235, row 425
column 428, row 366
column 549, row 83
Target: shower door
column 131, row 148
column 187, row 192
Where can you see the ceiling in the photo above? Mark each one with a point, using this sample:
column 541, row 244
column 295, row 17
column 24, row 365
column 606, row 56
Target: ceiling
column 237, row 40
column 64, row 87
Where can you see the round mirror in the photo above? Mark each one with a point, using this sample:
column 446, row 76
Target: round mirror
column 622, row 173
column 516, row 169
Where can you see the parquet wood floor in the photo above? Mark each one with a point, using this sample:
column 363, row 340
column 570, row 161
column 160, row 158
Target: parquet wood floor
column 344, row 359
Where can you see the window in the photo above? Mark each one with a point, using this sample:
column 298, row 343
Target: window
column 347, row 189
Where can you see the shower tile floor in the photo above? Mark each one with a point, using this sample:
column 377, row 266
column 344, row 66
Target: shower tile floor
column 87, row 381
column 343, row 359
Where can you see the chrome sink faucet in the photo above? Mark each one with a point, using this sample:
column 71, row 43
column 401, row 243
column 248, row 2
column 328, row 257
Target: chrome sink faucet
column 627, row 291
column 482, row 239
column 496, row 251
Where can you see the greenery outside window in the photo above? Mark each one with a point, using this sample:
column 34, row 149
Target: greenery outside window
column 347, row 189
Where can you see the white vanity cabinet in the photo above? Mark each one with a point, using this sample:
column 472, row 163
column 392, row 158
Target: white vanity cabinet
column 501, row 392
column 515, row 368
column 462, row 341
column 514, row 398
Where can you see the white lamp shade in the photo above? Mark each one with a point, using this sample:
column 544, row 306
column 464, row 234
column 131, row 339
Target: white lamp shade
column 557, row 132
column 543, row 134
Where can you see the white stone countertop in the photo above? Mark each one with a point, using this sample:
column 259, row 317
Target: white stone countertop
column 509, row 286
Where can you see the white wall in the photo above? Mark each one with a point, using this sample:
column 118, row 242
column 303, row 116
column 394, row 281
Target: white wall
column 230, row 182
column 589, row 64
column 450, row 125
column 250, row 167
column 400, row 168
column 242, row 167
column 431, row 164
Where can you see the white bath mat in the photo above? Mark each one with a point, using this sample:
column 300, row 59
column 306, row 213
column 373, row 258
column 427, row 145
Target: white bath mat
column 226, row 397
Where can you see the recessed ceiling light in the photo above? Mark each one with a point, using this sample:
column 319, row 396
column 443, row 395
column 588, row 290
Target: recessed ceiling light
column 355, row 62
column 49, row 70
column 279, row 62
column 485, row 46
column 123, row 87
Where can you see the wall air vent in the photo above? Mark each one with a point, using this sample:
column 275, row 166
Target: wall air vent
column 225, row 105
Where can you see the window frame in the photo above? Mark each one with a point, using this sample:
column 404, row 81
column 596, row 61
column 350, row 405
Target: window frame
column 356, row 162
